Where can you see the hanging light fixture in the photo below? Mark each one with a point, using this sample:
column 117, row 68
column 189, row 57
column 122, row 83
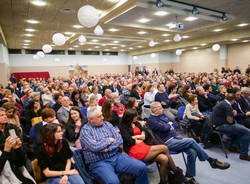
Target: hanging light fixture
column 177, row 38
column 216, row 47
column 59, row 39
column 178, row 52
column 98, row 30
column 46, row 48
column 88, row 16
column 151, row 43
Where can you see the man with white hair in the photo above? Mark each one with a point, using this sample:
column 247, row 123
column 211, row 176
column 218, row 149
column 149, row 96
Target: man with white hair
column 63, row 113
column 106, row 96
column 100, row 143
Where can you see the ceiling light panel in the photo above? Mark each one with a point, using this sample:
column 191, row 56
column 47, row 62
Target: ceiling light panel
column 161, row 13
column 38, row 3
column 190, row 18
column 77, row 26
column 144, row 20
column 30, row 30
column 141, row 32
column 242, row 25
column 217, row 30
column 32, row 21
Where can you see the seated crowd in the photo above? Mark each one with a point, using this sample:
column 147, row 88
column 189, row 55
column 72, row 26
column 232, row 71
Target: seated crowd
column 98, row 121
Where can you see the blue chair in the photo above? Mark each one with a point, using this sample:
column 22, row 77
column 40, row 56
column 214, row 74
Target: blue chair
column 84, row 111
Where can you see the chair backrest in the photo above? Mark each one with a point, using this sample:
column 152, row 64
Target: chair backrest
column 181, row 111
column 32, row 132
column 84, row 111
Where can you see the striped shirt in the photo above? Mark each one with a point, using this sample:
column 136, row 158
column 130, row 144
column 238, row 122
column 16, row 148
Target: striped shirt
column 96, row 144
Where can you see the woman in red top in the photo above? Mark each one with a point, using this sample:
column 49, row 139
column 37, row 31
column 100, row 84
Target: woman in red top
column 133, row 143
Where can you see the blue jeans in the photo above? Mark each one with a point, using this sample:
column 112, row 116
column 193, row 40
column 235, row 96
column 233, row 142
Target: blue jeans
column 241, row 133
column 191, row 148
column 73, row 179
column 108, row 170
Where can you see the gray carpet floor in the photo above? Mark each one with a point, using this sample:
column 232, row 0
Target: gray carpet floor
column 238, row 173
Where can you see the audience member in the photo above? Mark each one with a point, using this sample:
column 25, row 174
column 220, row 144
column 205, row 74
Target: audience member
column 165, row 128
column 223, row 119
column 54, row 157
column 63, row 113
column 101, row 151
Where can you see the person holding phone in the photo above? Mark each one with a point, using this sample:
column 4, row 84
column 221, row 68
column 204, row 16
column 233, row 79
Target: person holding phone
column 12, row 152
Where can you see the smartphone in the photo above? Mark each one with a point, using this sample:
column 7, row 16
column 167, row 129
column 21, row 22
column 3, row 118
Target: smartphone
column 12, row 133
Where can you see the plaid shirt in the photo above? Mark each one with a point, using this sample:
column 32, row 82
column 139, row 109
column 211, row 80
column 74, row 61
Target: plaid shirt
column 96, row 144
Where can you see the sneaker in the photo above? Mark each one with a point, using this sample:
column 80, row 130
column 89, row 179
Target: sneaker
column 216, row 164
column 245, row 157
column 191, row 180
column 234, row 149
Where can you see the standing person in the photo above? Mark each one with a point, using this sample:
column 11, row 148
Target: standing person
column 134, row 137
column 54, row 158
column 100, row 142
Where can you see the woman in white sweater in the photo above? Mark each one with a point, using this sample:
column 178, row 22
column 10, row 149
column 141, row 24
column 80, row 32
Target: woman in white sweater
column 196, row 118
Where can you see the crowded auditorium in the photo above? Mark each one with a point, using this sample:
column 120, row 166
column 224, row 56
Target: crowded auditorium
column 124, row 91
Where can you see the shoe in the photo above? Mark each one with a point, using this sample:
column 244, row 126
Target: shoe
column 216, row 164
column 234, row 149
column 191, row 180
column 245, row 157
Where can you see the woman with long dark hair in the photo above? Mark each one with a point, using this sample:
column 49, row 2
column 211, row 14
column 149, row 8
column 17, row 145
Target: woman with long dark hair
column 77, row 101
column 134, row 136
column 75, row 122
column 109, row 114
column 54, row 158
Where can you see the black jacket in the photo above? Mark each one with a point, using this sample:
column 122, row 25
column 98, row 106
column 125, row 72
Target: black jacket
column 127, row 134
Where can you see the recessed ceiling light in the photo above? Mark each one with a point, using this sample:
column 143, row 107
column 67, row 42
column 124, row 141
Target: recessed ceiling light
column 25, row 47
column 190, row 18
column 38, row 3
column 76, row 46
column 30, row 30
column 104, row 45
column 141, row 32
column 89, row 49
column 26, row 44
column 139, row 46
column 106, row 49
column 114, row 47
column 68, row 33
column 116, row 41
column 143, row 20
column 77, row 26
column 53, row 45
column 217, row 30
column 71, row 49
column 167, row 40
column 242, row 25
column 185, row 36
column 165, row 34
column 95, row 40
column 195, row 48
column 27, row 41
column 113, row 29
column 161, row 13
column 131, row 48
column 203, row 44
column 122, row 50
column 112, row 0
column 29, row 35
column 245, row 41
column 123, row 45
column 32, row 21
column 235, row 39
column 97, row 47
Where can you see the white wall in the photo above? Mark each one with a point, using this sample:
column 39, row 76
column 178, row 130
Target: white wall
column 67, row 60
column 4, row 56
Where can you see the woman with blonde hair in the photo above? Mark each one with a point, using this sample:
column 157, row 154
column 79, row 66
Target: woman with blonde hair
column 11, row 113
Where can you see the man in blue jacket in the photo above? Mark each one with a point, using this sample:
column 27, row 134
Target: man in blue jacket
column 165, row 128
